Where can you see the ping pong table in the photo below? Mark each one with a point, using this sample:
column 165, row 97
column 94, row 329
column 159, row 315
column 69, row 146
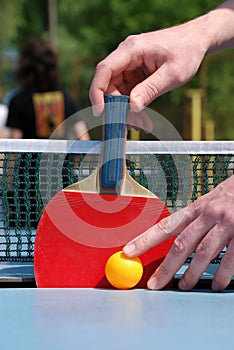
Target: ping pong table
column 112, row 319
column 32, row 318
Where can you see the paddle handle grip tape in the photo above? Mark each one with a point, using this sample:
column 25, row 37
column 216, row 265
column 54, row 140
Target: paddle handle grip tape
column 114, row 134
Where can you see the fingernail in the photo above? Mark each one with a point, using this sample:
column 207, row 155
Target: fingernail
column 137, row 103
column 129, row 248
column 183, row 284
column 152, row 283
column 216, row 286
column 97, row 110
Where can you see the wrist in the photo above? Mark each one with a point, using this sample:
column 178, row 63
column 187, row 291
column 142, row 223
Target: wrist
column 216, row 28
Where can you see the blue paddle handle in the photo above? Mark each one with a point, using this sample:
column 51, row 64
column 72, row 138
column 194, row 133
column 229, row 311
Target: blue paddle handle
column 113, row 151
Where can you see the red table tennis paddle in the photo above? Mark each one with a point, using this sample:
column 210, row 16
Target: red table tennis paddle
column 87, row 222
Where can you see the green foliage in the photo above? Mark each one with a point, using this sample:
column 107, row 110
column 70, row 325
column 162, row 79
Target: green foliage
column 35, row 20
column 89, row 29
column 100, row 25
column 220, row 87
column 10, row 19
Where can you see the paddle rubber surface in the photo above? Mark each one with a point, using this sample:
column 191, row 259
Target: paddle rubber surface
column 79, row 231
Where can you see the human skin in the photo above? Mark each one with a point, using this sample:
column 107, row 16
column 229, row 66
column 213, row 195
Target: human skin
column 147, row 65
column 206, row 227
column 144, row 67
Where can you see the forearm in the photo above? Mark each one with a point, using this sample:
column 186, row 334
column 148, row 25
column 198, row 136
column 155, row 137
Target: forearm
column 216, row 28
column 148, row 65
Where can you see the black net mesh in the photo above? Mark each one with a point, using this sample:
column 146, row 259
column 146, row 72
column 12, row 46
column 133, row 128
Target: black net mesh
column 29, row 180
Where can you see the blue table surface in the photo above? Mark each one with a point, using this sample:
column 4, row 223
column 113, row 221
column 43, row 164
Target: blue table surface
column 111, row 319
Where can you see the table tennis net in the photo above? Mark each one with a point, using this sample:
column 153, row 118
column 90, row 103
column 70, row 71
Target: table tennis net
column 33, row 171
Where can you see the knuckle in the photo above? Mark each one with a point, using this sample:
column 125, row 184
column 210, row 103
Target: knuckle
column 203, row 250
column 130, row 38
column 145, row 241
column 196, row 208
column 179, row 246
column 151, row 90
column 101, row 65
column 130, row 41
column 215, row 211
column 165, row 226
column 174, row 224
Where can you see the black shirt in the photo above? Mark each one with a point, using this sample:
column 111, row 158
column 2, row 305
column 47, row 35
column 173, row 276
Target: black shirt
column 38, row 113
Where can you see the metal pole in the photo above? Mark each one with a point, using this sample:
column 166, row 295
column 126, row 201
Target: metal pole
column 53, row 21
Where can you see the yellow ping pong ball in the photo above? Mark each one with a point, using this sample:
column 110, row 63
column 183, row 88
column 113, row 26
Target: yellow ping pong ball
column 123, row 272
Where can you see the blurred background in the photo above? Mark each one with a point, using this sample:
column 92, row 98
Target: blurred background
column 85, row 31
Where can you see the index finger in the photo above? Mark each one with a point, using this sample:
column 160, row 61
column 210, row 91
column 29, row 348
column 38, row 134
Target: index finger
column 164, row 229
column 98, row 87
column 111, row 66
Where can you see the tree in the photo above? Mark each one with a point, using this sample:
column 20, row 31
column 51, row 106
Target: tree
column 89, row 30
column 9, row 10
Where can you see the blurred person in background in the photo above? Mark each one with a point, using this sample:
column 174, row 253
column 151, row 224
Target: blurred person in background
column 37, row 110
column 41, row 105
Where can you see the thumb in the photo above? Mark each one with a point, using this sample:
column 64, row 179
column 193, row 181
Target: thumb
column 149, row 89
